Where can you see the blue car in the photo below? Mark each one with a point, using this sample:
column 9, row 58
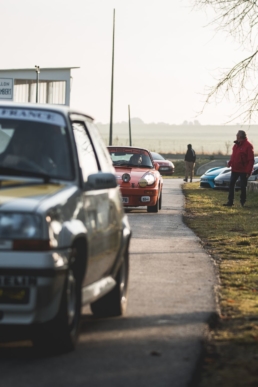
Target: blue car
column 207, row 179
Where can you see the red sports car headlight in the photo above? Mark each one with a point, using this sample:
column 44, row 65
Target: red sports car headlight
column 147, row 179
column 126, row 177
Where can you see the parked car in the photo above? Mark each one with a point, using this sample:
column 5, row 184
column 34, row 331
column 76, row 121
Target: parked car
column 222, row 181
column 64, row 237
column 138, row 177
column 207, row 179
column 166, row 167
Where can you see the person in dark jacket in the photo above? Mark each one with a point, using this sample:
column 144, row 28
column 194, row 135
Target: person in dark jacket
column 190, row 158
column 241, row 163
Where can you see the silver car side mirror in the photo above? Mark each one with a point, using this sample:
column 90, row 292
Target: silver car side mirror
column 100, row 180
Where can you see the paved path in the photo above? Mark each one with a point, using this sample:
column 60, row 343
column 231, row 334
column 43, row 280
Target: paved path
column 158, row 343
column 172, row 285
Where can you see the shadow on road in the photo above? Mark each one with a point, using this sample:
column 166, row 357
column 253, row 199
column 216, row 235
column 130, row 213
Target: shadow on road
column 91, row 326
column 140, row 351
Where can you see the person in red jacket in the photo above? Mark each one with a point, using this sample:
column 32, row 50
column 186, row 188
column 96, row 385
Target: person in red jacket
column 241, row 163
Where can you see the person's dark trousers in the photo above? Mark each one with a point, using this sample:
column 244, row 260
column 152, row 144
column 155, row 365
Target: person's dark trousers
column 243, row 181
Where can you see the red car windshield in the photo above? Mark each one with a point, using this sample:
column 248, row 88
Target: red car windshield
column 130, row 157
column 157, row 156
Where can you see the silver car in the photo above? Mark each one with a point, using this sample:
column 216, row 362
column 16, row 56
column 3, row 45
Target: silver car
column 222, row 181
column 64, row 237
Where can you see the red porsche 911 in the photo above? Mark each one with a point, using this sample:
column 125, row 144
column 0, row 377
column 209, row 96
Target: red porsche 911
column 138, row 177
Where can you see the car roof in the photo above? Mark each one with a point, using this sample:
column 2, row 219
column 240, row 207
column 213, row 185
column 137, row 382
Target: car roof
column 156, row 153
column 127, row 147
column 65, row 110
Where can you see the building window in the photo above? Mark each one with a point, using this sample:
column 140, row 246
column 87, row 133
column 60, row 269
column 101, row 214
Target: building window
column 56, row 92
column 49, row 91
column 21, row 92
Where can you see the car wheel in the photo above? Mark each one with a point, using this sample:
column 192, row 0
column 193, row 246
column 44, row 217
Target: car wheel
column 114, row 303
column 160, row 201
column 154, row 208
column 60, row 334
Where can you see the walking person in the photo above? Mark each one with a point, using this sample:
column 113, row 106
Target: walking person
column 241, row 163
column 190, row 158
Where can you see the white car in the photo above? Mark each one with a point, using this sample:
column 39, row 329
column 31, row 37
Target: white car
column 223, row 181
column 64, row 237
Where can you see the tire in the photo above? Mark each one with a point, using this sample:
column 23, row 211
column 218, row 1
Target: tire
column 114, row 303
column 61, row 334
column 154, row 208
column 160, row 200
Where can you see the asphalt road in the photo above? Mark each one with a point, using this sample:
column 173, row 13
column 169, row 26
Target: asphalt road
column 158, row 343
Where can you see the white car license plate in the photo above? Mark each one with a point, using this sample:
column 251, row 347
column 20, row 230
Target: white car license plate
column 145, row 199
column 125, row 200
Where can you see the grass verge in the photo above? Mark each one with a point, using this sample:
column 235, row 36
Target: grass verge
column 230, row 235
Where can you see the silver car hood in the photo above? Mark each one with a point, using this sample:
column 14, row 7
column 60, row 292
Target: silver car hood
column 24, row 196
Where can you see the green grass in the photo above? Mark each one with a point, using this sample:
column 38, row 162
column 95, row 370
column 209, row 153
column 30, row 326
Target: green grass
column 230, row 236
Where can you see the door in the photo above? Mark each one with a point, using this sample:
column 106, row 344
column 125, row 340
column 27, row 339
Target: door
column 97, row 210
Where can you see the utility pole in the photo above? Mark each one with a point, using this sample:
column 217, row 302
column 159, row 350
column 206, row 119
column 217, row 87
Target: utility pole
column 112, row 85
column 129, row 120
column 37, row 69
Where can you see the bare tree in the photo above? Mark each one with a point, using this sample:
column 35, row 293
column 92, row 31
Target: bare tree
column 239, row 18
column 227, row 145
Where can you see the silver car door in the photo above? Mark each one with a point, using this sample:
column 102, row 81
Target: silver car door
column 95, row 207
column 114, row 212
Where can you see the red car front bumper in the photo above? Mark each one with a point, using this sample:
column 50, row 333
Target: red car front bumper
column 135, row 197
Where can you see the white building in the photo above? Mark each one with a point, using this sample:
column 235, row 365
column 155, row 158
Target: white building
column 21, row 85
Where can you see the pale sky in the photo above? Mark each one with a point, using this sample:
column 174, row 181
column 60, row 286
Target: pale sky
column 165, row 55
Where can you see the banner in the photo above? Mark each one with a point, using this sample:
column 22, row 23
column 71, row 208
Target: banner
column 6, row 88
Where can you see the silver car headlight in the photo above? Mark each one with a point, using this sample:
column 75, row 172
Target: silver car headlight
column 20, row 226
column 147, row 179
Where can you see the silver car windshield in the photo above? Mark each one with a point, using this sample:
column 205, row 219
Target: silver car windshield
column 30, row 147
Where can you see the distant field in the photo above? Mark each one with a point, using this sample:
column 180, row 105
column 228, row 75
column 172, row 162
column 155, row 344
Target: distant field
column 166, row 138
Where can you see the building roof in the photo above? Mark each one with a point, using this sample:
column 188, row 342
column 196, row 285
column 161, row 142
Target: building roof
column 42, row 68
